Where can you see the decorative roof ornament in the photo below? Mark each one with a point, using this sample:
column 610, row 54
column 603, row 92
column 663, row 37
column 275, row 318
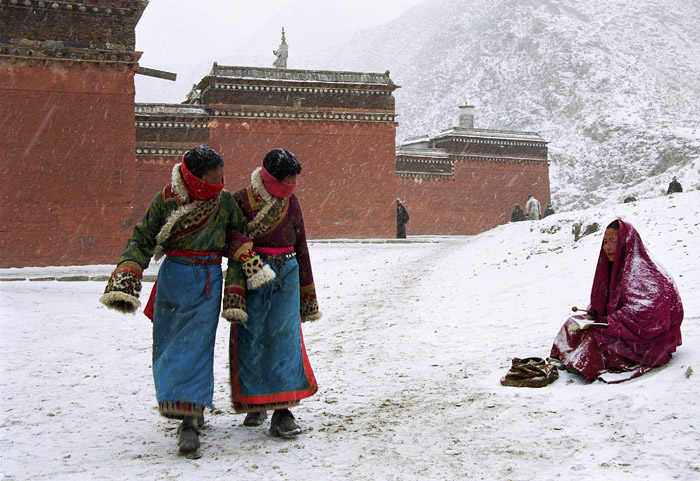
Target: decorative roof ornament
column 466, row 116
column 281, row 53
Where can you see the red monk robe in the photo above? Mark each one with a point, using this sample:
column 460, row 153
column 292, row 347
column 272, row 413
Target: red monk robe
column 639, row 303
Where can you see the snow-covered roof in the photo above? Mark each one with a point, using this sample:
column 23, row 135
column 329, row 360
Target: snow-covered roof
column 415, row 140
column 298, row 75
column 489, row 134
column 420, row 152
column 170, row 109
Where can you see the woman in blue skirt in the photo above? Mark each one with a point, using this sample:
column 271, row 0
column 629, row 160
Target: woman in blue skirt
column 269, row 366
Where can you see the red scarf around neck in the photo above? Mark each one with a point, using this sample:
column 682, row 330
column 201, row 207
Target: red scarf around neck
column 276, row 187
column 200, row 189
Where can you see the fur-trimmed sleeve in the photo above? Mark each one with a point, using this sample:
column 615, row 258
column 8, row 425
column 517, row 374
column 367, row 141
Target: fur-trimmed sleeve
column 140, row 246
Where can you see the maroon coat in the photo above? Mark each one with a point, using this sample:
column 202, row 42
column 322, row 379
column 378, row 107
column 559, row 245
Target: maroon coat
column 277, row 223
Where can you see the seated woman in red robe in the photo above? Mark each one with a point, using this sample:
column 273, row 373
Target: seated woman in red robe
column 637, row 312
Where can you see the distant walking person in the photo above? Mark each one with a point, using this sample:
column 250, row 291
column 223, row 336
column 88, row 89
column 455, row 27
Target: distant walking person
column 548, row 211
column 401, row 220
column 532, row 208
column 518, row 214
column 674, row 186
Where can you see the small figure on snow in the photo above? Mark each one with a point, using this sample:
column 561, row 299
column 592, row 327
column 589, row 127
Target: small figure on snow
column 674, row 186
column 401, row 219
column 532, row 208
column 517, row 215
column 548, row 211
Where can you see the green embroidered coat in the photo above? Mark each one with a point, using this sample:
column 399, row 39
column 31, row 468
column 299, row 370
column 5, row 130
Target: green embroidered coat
column 173, row 222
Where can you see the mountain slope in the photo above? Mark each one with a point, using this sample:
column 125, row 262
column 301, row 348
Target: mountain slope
column 612, row 85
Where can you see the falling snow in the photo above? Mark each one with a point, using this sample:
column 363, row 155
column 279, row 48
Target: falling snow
column 408, row 355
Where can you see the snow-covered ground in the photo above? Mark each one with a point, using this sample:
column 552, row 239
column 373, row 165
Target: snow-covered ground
column 408, row 356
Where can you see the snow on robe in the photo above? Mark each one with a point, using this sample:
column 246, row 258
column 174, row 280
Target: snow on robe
column 641, row 305
column 643, row 308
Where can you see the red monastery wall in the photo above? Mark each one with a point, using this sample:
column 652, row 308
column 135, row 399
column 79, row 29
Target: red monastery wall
column 342, row 194
column 481, row 197
column 66, row 164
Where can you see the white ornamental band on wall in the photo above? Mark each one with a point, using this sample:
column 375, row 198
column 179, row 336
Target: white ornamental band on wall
column 264, row 88
column 33, row 53
column 68, row 6
column 170, row 125
column 302, row 115
column 426, row 176
column 431, row 163
column 502, row 160
column 165, row 152
column 499, row 142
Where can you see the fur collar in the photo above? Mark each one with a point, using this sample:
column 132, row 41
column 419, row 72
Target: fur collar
column 261, row 221
column 178, row 184
column 258, row 186
column 180, row 189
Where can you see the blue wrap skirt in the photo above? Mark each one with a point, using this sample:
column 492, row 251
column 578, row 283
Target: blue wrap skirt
column 186, row 315
column 268, row 361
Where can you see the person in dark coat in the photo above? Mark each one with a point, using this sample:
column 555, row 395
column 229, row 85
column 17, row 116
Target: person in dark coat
column 517, row 214
column 674, row 186
column 401, row 220
column 549, row 211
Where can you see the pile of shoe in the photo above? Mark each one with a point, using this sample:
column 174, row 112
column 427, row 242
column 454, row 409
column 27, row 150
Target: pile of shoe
column 530, row 372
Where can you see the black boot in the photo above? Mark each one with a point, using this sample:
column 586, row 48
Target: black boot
column 255, row 419
column 189, row 438
column 283, row 424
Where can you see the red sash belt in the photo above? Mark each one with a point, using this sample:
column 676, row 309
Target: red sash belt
column 192, row 257
column 273, row 251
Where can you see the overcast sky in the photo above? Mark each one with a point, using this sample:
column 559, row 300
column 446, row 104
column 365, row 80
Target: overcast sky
column 187, row 36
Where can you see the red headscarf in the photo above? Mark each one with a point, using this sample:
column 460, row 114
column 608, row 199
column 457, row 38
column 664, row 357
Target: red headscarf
column 276, row 187
column 199, row 188
column 643, row 307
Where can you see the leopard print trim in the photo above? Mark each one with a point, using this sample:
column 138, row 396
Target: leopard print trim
column 308, row 309
column 309, row 304
column 234, row 301
column 124, row 281
column 252, row 266
column 273, row 210
column 234, row 308
column 204, row 209
column 122, row 292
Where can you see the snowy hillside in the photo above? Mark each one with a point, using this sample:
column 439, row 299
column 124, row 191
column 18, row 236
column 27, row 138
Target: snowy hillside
column 614, row 86
column 408, row 356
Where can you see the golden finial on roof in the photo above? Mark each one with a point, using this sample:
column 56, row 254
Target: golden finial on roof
column 284, row 40
column 466, row 105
